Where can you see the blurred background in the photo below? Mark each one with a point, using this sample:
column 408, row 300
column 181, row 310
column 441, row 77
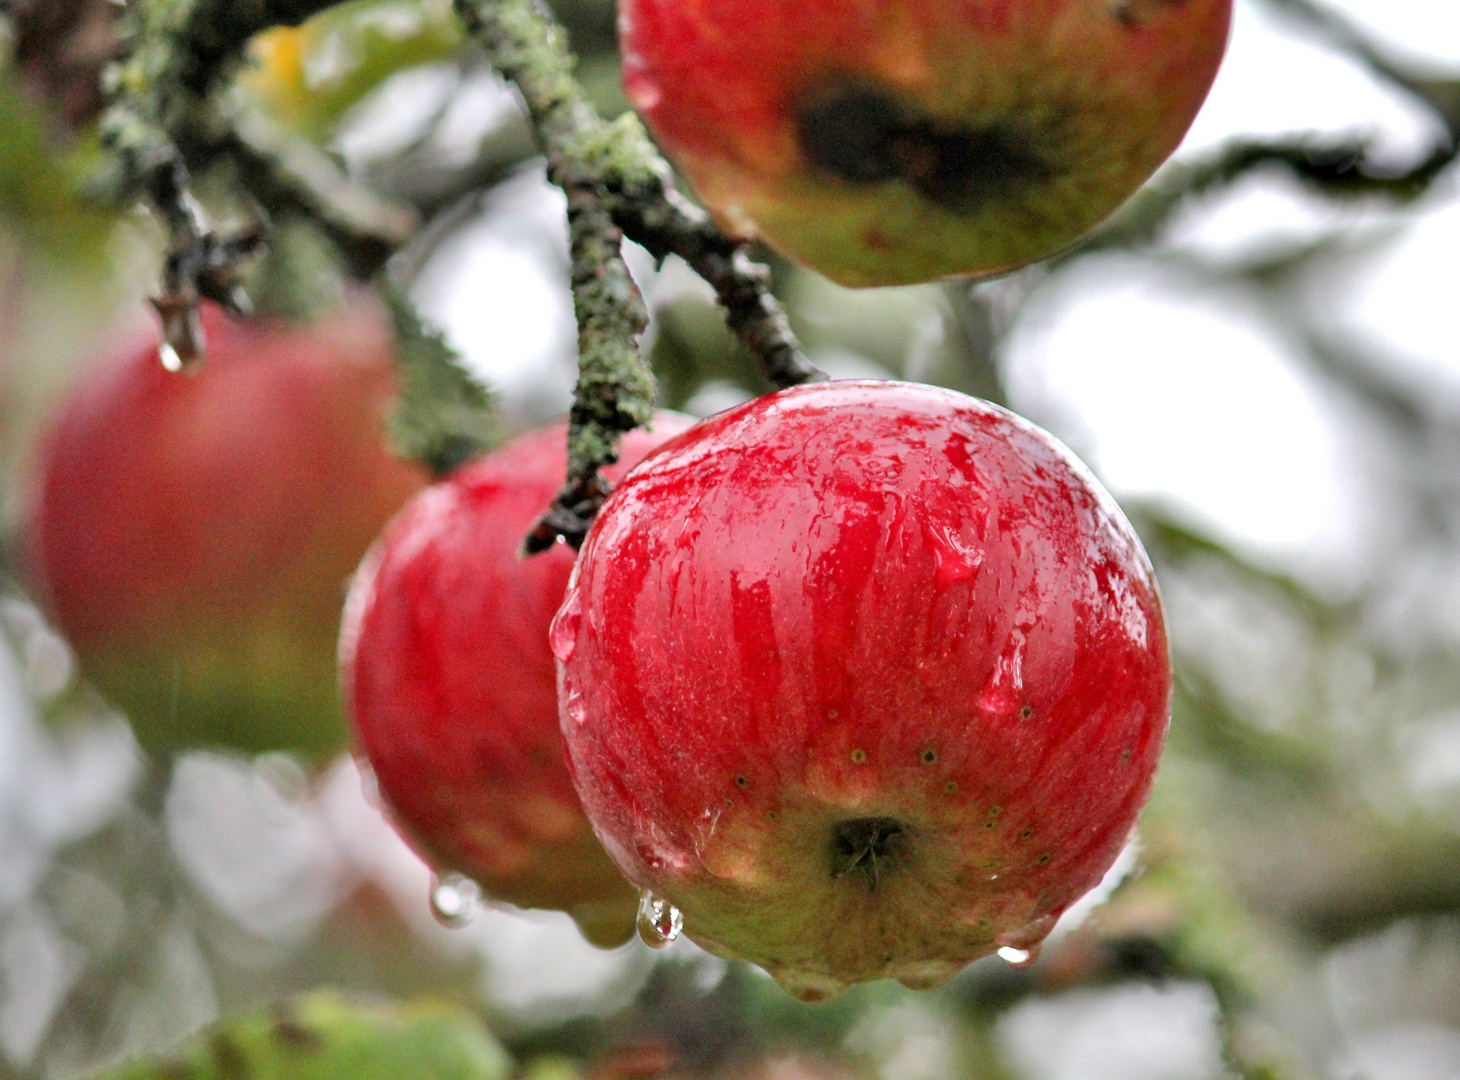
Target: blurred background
column 1260, row 357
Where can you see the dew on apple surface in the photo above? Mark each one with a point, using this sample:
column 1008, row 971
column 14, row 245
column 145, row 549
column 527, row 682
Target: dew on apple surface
column 659, row 921
column 563, row 635
column 455, row 900
column 1000, row 695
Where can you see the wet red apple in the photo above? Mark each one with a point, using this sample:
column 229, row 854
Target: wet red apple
column 193, row 533
column 449, row 680
column 895, row 141
column 863, row 680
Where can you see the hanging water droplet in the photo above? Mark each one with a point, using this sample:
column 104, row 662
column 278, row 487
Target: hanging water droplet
column 659, row 921
column 169, row 357
column 455, row 900
column 563, row 636
column 573, row 704
column 1019, row 958
column 1021, row 947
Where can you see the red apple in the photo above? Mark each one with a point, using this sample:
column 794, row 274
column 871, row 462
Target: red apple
column 893, row 141
column 866, row 679
column 449, row 681
column 193, row 534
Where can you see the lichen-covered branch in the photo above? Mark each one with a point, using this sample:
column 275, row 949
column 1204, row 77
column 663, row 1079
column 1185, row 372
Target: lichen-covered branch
column 648, row 209
column 615, row 390
column 614, row 180
column 177, row 51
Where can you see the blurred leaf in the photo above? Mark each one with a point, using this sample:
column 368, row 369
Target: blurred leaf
column 38, row 200
column 444, row 416
column 324, row 1037
column 309, row 76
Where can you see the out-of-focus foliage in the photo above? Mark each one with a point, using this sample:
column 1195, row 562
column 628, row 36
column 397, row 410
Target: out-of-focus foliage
column 323, row 1037
column 309, row 76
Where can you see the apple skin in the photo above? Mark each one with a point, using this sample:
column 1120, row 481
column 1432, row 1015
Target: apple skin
column 889, row 142
column 193, row 534
column 451, row 686
column 868, row 679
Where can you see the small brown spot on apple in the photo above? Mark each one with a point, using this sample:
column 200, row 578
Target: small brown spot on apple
column 929, row 756
column 859, row 757
column 876, row 239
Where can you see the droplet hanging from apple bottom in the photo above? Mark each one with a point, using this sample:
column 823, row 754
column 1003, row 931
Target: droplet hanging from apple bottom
column 455, row 900
column 659, row 921
column 1020, row 947
column 1019, row 958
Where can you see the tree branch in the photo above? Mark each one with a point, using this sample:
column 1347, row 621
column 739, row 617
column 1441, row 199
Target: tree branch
column 615, row 180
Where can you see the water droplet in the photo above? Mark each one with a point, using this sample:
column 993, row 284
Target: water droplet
column 954, row 559
column 1001, row 694
column 563, row 636
column 573, row 705
column 1021, row 947
column 171, row 360
column 659, row 921
column 1019, row 958
column 455, row 900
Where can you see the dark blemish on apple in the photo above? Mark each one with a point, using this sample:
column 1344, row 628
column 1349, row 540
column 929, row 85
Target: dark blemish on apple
column 1043, row 858
column 773, row 815
column 1126, row 755
column 1026, row 712
column 741, row 781
column 859, row 757
column 862, row 134
column 867, row 846
column 993, row 818
column 951, row 787
column 929, row 756
column 1026, row 834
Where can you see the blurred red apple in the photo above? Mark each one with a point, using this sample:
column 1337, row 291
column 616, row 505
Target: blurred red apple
column 450, row 683
column 866, row 679
column 193, row 534
column 894, row 141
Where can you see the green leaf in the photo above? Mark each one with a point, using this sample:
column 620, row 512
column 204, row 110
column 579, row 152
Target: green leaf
column 308, row 77
column 325, row 1037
